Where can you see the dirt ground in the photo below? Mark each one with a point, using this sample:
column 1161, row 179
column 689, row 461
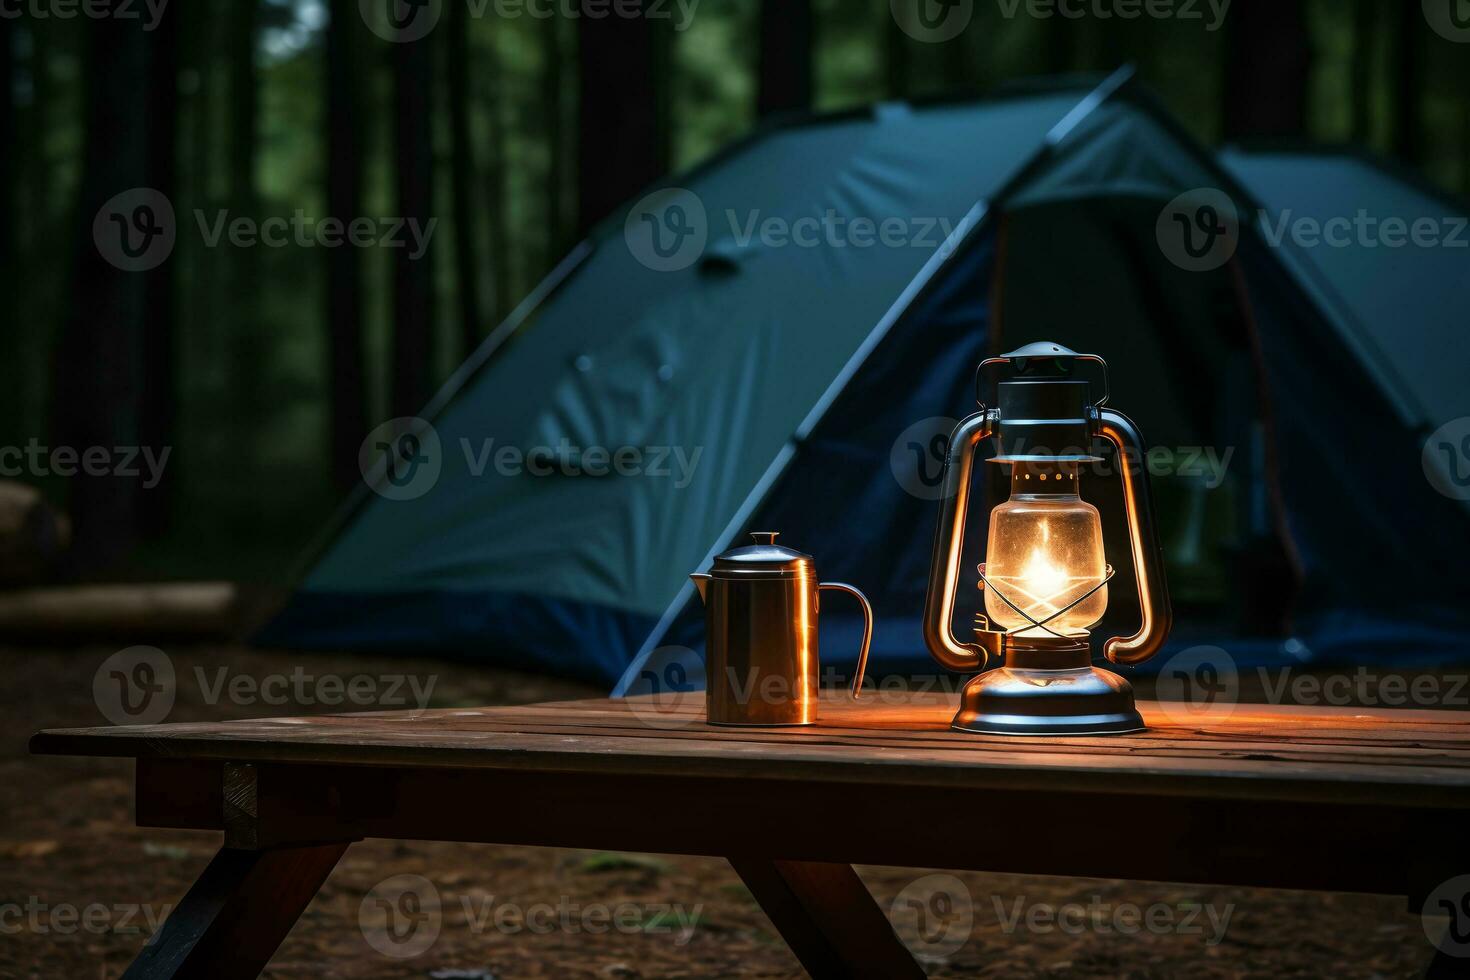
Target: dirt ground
column 79, row 883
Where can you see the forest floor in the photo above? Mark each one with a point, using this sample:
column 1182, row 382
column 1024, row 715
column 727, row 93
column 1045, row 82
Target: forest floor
column 79, row 884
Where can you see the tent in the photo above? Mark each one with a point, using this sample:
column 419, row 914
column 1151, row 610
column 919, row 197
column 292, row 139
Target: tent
column 744, row 349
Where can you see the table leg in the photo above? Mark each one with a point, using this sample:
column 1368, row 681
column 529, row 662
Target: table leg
column 235, row 916
column 828, row 918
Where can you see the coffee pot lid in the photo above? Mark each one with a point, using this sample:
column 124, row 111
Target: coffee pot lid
column 765, row 556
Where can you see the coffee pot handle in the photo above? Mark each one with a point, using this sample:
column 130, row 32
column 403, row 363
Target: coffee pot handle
column 862, row 664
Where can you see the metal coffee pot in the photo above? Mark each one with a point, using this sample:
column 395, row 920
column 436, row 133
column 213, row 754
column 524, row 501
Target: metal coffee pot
column 760, row 617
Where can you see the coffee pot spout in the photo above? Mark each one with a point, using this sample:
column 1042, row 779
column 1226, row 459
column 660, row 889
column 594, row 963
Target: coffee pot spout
column 701, row 582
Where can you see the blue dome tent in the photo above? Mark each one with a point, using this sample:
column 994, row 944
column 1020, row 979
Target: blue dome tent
column 797, row 385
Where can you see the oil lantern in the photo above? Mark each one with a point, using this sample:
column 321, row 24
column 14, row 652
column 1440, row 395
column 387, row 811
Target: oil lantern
column 1045, row 577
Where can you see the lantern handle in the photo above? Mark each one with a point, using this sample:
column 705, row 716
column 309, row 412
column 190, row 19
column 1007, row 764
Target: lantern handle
column 1148, row 557
column 949, row 539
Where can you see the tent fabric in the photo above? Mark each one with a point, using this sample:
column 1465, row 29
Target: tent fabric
column 709, row 361
column 796, row 374
column 1386, row 288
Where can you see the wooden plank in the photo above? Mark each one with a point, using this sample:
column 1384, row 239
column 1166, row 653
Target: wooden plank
column 828, row 918
column 1447, row 750
column 1333, row 754
column 235, row 916
column 980, row 768
column 1332, row 846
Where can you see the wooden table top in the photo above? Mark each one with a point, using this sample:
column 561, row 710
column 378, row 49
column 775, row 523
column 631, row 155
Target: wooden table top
column 1396, row 757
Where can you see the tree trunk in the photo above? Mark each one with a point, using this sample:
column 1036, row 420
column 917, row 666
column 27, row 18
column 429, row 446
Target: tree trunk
column 159, row 409
column 1407, row 84
column 413, row 281
column 207, row 330
column 896, row 60
column 623, row 139
column 1061, row 43
column 1267, row 67
column 494, row 184
column 1360, row 74
column 42, row 228
column 346, row 372
column 957, row 62
column 553, row 111
column 462, row 177
column 247, row 342
column 784, row 82
column 8, row 200
column 96, row 390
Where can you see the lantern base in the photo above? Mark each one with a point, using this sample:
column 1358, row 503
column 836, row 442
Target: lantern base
column 1051, row 690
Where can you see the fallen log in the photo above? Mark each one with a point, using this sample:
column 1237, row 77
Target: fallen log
column 175, row 610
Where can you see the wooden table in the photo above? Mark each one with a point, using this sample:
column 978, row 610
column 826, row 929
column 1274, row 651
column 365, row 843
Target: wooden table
column 1310, row 798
